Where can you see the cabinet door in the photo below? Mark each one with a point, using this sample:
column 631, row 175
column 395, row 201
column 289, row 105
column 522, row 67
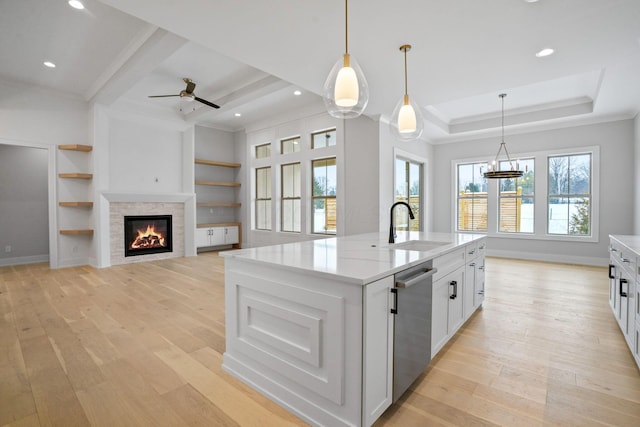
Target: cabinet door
column 612, row 285
column 202, row 237
column 231, row 235
column 217, row 236
column 439, row 314
column 378, row 349
column 456, row 297
column 469, row 288
column 478, row 285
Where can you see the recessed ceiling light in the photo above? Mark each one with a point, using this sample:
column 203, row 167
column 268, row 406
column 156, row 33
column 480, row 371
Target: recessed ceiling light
column 49, row 64
column 238, row 114
column 76, row 4
column 531, row 1
column 297, row 93
column 545, row 52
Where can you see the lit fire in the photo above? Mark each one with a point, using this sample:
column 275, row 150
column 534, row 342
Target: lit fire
column 148, row 238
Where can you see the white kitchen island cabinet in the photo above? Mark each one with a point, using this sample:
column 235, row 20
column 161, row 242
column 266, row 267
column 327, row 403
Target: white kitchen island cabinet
column 309, row 324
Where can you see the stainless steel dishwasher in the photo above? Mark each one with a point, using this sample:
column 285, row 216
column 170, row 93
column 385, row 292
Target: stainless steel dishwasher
column 412, row 334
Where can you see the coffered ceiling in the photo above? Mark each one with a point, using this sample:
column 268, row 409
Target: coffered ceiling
column 249, row 57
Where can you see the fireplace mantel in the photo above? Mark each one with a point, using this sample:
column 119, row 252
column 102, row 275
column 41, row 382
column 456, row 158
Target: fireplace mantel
column 148, row 197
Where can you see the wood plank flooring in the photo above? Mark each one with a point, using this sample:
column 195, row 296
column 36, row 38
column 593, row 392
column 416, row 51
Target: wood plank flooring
column 142, row 344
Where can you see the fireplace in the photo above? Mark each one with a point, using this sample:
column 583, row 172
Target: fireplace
column 147, row 234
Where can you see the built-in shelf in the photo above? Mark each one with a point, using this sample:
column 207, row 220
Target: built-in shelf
column 218, row 183
column 216, row 163
column 76, row 232
column 76, row 175
column 76, row 147
column 77, row 204
column 219, row 204
column 218, row 224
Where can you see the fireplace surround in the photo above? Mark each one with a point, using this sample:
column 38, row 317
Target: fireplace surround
column 147, row 234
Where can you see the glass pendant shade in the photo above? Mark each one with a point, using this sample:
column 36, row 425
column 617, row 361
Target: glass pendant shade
column 406, row 120
column 346, row 92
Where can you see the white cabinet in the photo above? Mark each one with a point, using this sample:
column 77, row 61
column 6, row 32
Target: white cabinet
column 624, row 289
column 217, row 236
column 447, row 313
column 378, row 350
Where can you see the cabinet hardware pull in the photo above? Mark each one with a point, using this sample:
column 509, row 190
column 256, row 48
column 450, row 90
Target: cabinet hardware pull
column 611, row 268
column 623, row 294
column 481, row 267
column 473, row 264
column 455, row 289
column 626, row 260
column 394, row 309
column 472, row 251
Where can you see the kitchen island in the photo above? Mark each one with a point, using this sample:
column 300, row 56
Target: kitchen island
column 310, row 324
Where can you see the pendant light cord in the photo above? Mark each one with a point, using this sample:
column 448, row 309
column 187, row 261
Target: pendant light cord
column 406, row 90
column 346, row 26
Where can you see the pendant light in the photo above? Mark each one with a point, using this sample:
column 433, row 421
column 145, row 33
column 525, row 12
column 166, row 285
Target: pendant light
column 406, row 120
column 494, row 168
column 346, row 92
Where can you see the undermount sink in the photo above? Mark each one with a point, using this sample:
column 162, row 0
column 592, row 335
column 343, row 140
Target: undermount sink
column 418, row 245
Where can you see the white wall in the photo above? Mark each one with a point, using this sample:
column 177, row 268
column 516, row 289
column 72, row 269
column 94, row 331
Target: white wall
column 617, row 186
column 35, row 117
column 144, row 158
column 636, row 145
column 24, row 201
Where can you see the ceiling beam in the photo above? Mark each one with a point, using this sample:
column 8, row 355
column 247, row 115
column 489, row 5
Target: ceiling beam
column 142, row 56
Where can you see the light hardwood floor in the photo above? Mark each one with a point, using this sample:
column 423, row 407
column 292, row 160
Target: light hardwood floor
column 142, row 345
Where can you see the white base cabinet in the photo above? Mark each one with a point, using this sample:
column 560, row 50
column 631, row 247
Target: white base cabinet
column 217, row 236
column 624, row 288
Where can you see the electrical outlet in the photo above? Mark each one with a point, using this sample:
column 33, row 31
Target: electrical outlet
column 7, row 248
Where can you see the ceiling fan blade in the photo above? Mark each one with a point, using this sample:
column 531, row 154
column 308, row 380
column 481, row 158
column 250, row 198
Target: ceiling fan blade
column 190, row 87
column 161, row 96
column 204, row 101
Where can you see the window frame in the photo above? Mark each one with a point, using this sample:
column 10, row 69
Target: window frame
column 293, row 144
column 284, row 198
column 259, row 199
column 540, row 205
column 325, row 131
column 324, row 197
column 258, row 146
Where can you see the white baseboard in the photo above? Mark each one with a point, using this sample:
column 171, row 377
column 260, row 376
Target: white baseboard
column 560, row 258
column 73, row 262
column 23, row 260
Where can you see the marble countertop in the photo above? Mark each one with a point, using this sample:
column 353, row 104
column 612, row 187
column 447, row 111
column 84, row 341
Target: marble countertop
column 359, row 259
column 630, row 241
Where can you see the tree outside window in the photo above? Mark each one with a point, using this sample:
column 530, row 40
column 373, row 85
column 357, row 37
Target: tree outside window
column 569, row 200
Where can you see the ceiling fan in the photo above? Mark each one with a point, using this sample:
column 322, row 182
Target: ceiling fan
column 188, row 94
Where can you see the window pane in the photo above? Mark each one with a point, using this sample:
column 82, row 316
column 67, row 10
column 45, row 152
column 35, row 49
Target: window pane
column 290, row 145
column 263, row 183
column 323, row 139
column 319, row 178
column 332, row 181
column 263, row 151
column 291, row 215
column 558, row 215
column 263, row 214
column 472, row 197
column 319, row 215
column 516, row 212
column 558, row 175
column 579, row 174
column 579, row 216
column 291, row 180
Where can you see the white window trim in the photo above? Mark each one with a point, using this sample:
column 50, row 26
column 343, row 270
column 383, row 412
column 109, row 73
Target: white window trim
column 540, row 197
column 405, row 155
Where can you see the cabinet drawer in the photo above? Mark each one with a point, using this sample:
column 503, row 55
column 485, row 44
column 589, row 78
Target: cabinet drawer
column 448, row 262
column 482, row 247
column 625, row 257
column 471, row 251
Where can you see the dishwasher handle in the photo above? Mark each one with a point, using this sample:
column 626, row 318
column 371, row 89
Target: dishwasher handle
column 407, row 282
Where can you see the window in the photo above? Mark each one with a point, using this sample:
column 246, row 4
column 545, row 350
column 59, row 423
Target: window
column 569, row 195
column 263, row 198
column 408, row 190
column 290, row 145
column 471, row 197
column 515, row 198
column 263, row 151
column 324, row 181
column 323, row 139
column 290, row 211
